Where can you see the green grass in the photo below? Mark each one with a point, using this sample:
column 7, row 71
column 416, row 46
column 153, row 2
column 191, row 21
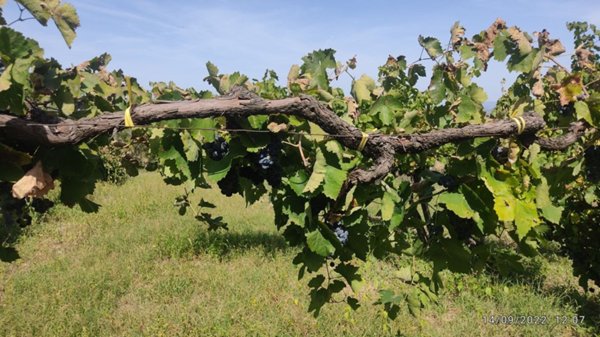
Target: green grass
column 137, row 268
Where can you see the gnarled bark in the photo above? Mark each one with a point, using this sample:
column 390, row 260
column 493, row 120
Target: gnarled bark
column 242, row 103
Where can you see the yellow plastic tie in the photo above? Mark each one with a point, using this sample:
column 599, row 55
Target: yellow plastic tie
column 363, row 141
column 520, row 121
column 128, row 120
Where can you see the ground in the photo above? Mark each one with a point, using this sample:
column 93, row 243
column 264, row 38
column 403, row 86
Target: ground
column 137, row 268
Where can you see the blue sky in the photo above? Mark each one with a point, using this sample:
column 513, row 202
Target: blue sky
column 172, row 40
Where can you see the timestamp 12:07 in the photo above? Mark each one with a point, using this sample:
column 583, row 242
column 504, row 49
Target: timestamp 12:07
column 533, row 319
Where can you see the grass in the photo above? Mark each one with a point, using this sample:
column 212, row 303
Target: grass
column 137, row 268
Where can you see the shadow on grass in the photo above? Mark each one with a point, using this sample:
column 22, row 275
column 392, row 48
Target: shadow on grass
column 506, row 266
column 588, row 306
column 8, row 254
column 224, row 244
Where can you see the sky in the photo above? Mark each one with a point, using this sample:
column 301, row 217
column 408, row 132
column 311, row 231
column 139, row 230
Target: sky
column 173, row 40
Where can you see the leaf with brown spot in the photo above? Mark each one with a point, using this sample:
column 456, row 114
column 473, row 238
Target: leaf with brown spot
column 552, row 47
column 569, row 89
column 457, row 32
column 492, row 31
column 521, row 39
column 584, row 58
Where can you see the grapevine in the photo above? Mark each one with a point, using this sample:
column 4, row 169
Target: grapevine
column 387, row 169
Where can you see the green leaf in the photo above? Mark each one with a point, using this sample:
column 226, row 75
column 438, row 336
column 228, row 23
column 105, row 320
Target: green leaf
column 67, row 21
column 467, row 110
column 387, row 206
column 504, row 200
column 527, row 217
column 477, row 94
column 14, row 46
column 466, row 52
column 583, row 112
column 482, row 201
column 64, row 16
column 542, row 198
column 432, row 46
column 523, row 63
column 319, row 244
column 316, row 64
column 386, row 107
column 318, row 174
column 362, row 88
column 297, row 181
column 500, row 46
column 334, row 179
column 456, row 203
column 37, row 8
column 216, row 170
column 437, row 88
column 414, row 72
column 190, row 146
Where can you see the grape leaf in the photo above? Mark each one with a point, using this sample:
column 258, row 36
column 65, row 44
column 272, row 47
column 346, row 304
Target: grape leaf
column 318, row 174
column 432, row 46
column 456, row 203
column 362, row 88
column 334, row 179
column 527, row 217
column 316, row 64
column 319, row 244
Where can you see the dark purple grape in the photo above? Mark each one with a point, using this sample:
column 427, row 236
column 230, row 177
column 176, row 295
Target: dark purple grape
column 218, row 149
column 340, row 233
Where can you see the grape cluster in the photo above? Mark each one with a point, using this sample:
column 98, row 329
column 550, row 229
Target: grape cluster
column 567, row 110
column 341, row 233
column 448, row 181
column 218, row 149
column 500, row 153
column 268, row 155
column 267, row 161
column 592, row 163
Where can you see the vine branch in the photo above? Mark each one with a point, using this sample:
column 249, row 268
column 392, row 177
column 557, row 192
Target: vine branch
column 242, row 103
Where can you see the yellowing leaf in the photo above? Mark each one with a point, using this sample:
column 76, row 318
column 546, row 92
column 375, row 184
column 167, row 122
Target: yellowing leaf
column 456, row 203
column 526, row 217
column 387, row 206
column 569, row 89
column 5, row 82
column 361, row 88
